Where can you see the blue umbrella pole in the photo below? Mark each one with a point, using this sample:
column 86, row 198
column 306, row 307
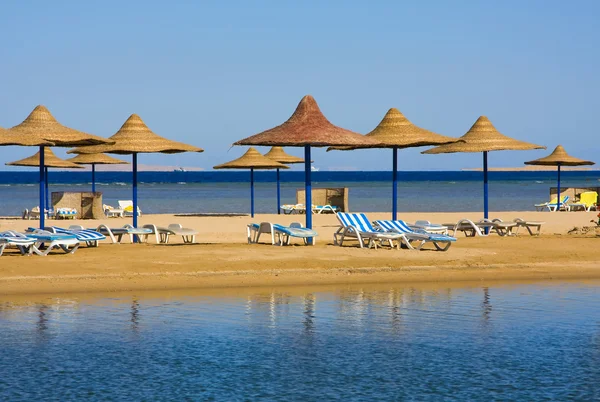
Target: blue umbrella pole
column 395, row 183
column 93, row 177
column 48, row 200
column 135, row 183
column 558, row 189
column 42, row 187
column 252, row 192
column 485, row 186
column 308, row 189
column 278, row 194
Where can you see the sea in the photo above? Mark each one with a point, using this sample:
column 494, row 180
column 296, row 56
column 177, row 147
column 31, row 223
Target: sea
column 457, row 342
column 229, row 192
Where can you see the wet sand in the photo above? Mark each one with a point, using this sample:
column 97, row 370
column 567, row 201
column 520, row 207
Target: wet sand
column 223, row 259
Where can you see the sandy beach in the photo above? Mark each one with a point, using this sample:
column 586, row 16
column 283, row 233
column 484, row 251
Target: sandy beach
column 222, row 257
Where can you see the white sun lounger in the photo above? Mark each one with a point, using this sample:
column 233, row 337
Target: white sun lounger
column 174, row 229
column 358, row 227
column 46, row 242
column 18, row 240
column 419, row 236
column 280, row 234
column 116, row 234
column 127, row 207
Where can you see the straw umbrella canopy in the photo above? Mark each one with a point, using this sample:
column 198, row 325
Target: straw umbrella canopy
column 252, row 159
column 40, row 125
column 96, row 159
column 50, row 161
column 307, row 128
column 7, row 138
column 395, row 131
column 279, row 155
column 483, row 137
column 135, row 137
column 559, row 157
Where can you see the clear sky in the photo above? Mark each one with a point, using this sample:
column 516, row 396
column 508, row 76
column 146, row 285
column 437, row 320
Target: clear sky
column 212, row 72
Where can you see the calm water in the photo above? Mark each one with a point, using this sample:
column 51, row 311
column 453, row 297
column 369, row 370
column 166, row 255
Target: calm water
column 503, row 342
column 189, row 192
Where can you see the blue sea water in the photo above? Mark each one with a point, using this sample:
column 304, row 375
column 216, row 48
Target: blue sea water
column 525, row 342
column 210, row 191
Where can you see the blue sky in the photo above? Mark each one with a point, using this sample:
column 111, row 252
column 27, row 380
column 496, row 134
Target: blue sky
column 212, row 72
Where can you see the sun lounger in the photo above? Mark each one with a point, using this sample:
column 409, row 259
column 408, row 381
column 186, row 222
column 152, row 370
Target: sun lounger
column 89, row 236
column 66, row 213
column 429, row 227
column 127, row 207
column 587, row 202
column 469, row 228
column 419, row 236
column 18, row 240
column 116, row 234
column 111, row 212
column 174, row 229
column 529, row 225
column 358, row 227
column 551, row 206
column 46, row 242
column 280, row 234
column 319, row 209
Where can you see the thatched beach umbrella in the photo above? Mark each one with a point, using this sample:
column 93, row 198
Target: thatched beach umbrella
column 483, row 137
column 96, row 159
column 252, row 160
column 40, row 125
column 559, row 157
column 279, row 155
column 50, row 161
column 307, row 128
column 397, row 132
column 135, row 137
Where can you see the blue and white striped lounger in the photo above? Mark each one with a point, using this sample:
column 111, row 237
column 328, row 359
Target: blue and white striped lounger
column 358, row 227
column 89, row 236
column 281, row 232
column 416, row 235
column 19, row 240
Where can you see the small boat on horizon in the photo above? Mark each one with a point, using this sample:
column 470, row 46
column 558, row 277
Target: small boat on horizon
column 314, row 169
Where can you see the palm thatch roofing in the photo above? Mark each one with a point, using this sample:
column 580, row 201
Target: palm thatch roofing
column 481, row 137
column 96, row 159
column 252, row 159
column 396, row 131
column 40, row 125
column 50, row 160
column 7, row 138
column 134, row 136
column 308, row 126
column 279, row 155
column 559, row 157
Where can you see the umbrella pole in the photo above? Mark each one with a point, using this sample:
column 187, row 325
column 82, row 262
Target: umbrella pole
column 48, row 203
column 42, row 187
column 485, row 186
column 395, row 184
column 135, row 220
column 252, row 192
column 278, row 194
column 558, row 190
column 93, row 177
column 307, row 189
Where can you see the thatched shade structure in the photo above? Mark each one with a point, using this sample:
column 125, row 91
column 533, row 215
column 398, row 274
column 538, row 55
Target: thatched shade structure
column 483, row 137
column 252, row 159
column 40, row 125
column 96, row 159
column 279, row 155
column 135, row 137
column 7, row 138
column 395, row 131
column 306, row 128
column 559, row 157
column 50, row 161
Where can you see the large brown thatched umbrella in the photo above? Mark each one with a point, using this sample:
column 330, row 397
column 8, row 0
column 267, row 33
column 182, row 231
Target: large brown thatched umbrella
column 50, row 161
column 40, row 125
column 397, row 132
column 305, row 128
column 279, row 155
column 96, row 159
column 252, row 159
column 483, row 137
column 135, row 137
column 559, row 157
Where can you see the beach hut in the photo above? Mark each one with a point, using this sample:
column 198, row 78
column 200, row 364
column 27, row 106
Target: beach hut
column 96, row 159
column 50, row 161
column 395, row 131
column 483, row 137
column 252, row 160
column 279, row 155
column 559, row 157
column 41, row 126
column 306, row 128
column 134, row 138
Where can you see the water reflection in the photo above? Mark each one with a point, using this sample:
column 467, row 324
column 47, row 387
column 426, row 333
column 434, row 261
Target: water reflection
column 135, row 314
column 309, row 301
